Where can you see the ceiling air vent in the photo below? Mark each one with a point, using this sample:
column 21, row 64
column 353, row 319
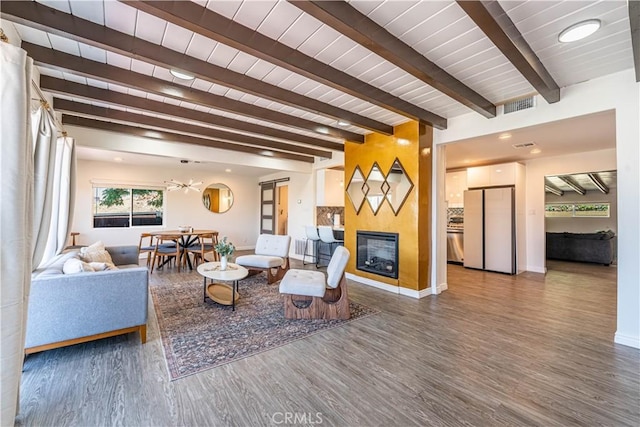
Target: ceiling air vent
column 524, row 144
column 519, row 105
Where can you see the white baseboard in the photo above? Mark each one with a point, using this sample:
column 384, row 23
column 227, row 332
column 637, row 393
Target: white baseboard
column 542, row 270
column 415, row 294
column 626, row 340
column 389, row 288
column 373, row 283
column 442, row 287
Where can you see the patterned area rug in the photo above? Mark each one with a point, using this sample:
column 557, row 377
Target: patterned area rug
column 198, row 335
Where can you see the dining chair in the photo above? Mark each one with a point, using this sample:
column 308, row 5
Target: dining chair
column 146, row 247
column 162, row 251
column 312, row 236
column 328, row 238
column 204, row 245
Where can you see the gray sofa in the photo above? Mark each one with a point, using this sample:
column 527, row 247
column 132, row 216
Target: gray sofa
column 583, row 247
column 66, row 309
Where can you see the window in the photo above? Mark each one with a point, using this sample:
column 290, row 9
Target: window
column 127, row 207
column 576, row 210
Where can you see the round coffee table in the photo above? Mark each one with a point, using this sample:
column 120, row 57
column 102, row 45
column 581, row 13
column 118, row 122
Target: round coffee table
column 220, row 292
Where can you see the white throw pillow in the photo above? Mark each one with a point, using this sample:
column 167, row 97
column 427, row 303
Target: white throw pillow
column 96, row 253
column 75, row 265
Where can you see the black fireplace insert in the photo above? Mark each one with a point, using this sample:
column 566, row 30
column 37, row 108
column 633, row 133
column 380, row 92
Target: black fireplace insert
column 377, row 253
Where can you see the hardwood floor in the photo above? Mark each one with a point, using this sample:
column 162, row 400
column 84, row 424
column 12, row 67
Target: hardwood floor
column 492, row 350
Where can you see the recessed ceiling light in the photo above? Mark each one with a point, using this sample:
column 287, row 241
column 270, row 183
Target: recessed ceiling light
column 181, row 75
column 504, row 136
column 343, row 123
column 579, row 31
column 227, row 170
column 267, row 153
column 117, row 159
column 536, row 151
column 498, row 170
column 322, row 130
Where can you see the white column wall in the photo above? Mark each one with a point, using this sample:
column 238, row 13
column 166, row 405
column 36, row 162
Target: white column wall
column 619, row 92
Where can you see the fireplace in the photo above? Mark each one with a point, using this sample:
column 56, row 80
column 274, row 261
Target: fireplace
column 377, row 253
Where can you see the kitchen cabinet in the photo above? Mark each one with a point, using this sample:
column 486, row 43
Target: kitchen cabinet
column 455, row 185
column 491, row 176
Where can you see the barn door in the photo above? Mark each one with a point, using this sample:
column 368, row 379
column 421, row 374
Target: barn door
column 267, row 207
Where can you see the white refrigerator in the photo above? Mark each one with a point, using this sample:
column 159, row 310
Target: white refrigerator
column 489, row 229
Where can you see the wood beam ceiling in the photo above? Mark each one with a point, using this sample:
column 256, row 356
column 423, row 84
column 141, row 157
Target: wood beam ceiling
column 65, row 25
column 90, row 93
column 634, row 20
column 65, row 62
column 345, row 19
column 76, row 108
column 491, row 18
column 209, row 24
column 176, row 137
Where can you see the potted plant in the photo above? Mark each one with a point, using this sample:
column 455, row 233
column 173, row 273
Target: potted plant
column 225, row 249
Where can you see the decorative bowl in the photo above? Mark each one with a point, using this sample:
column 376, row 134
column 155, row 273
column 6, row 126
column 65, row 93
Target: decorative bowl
column 184, row 228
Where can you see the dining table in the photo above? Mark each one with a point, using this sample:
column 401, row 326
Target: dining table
column 187, row 238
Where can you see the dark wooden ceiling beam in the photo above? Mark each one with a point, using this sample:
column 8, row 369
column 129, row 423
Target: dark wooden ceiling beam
column 75, row 108
column 209, row 24
column 65, row 25
column 65, row 62
column 634, row 21
column 491, row 18
column 346, row 19
column 77, row 90
column 176, row 137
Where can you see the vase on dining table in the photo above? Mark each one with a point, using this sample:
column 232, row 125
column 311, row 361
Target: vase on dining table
column 223, row 263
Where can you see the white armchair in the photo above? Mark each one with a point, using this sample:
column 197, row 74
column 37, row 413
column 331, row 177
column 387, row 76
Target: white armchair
column 271, row 253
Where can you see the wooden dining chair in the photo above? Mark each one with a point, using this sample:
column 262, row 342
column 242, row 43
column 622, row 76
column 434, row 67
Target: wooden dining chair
column 204, row 245
column 166, row 252
column 146, row 246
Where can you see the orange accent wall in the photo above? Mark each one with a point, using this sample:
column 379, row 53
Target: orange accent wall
column 413, row 220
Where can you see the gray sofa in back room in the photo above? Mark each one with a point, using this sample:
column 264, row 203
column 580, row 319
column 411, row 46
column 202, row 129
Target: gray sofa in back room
column 584, row 247
column 66, row 309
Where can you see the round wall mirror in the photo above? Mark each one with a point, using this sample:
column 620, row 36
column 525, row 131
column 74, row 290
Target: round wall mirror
column 217, row 198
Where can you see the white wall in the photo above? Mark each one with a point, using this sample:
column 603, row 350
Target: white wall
column 584, row 224
column 329, row 192
column 619, row 92
column 301, row 205
column 240, row 223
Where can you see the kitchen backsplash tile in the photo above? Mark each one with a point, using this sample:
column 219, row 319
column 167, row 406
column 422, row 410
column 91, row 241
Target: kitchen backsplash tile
column 325, row 214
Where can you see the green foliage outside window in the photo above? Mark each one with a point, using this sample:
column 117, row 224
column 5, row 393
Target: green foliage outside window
column 577, row 210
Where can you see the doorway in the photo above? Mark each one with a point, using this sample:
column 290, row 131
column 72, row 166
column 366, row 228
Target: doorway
column 580, row 218
column 282, row 210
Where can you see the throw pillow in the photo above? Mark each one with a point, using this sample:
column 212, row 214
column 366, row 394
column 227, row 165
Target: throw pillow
column 75, row 265
column 96, row 253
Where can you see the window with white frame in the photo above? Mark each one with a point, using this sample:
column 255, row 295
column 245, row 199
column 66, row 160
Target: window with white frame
column 577, row 210
column 127, row 207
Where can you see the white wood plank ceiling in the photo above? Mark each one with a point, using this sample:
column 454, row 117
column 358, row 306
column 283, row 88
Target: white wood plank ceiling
column 440, row 31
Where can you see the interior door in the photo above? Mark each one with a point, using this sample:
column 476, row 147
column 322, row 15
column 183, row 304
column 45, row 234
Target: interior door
column 267, row 208
column 474, row 229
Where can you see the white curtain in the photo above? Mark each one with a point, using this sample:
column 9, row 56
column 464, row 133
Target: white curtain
column 61, row 198
column 44, row 157
column 16, row 224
